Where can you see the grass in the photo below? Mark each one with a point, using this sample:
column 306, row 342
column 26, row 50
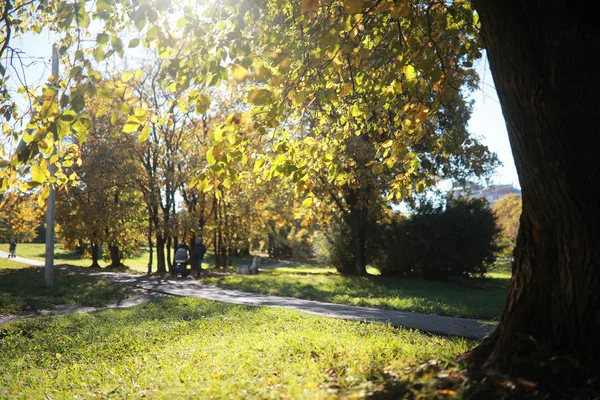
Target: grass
column 23, row 291
column 137, row 263
column 472, row 299
column 190, row 348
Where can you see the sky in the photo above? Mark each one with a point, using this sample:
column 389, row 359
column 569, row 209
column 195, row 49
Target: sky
column 486, row 121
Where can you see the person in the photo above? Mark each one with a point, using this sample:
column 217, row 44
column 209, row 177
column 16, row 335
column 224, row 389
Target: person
column 199, row 251
column 181, row 259
column 13, row 248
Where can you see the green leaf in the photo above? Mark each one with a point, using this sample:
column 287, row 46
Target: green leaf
column 259, row 97
column 102, row 38
column 134, row 43
column 99, row 54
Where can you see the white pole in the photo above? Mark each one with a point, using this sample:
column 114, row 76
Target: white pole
column 51, row 203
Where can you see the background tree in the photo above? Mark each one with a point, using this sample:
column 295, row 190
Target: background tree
column 508, row 213
column 20, row 216
column 103, row 209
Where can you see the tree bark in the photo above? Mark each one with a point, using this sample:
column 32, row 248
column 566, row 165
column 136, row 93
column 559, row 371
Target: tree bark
column 95, row 251
column 150, row 248
column 357, row 219
column 541, row 58
column 161, row 266
column 115, row 256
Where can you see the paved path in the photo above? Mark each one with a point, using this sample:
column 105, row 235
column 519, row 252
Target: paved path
column 4, row 254
column 188, row 287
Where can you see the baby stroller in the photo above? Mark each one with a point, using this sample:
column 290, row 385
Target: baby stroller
column 181, row 261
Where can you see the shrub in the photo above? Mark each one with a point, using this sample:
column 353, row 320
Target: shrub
column 437, row 243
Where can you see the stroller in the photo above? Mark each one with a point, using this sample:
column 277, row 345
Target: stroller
column 181, row 261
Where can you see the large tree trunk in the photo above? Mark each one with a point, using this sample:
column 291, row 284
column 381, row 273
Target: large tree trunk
column 115, row 256
column 95, row 251
column 541, row 57
column 357, row 220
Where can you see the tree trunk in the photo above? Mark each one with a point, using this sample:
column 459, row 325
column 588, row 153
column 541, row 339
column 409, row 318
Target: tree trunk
column 161, row 266
column 357, row 219
column 115, row 256
column 95, row 251
column 541, row 57
column 150, row 248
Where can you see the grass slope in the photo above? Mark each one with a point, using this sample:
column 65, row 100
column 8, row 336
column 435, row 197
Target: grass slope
column 189, row 348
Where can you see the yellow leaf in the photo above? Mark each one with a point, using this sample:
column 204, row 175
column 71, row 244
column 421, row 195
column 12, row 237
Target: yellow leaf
column 102, row 111
column 239, row 73
column 127, row 76
column 411, row 74
column 143, row 136
column 387, row 144
column 308, row 202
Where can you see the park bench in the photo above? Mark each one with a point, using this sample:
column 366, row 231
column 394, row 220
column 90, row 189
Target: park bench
column 251, row 269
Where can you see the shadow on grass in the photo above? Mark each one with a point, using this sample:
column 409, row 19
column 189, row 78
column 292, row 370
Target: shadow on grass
column 24, row 290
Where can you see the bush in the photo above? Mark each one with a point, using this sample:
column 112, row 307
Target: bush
column 440, row 244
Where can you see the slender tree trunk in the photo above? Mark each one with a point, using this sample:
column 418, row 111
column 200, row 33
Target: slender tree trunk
column 540, row 55
column 228, row 234
column 161, row 266
column 95, row 251
column 169, row 259
column 150, row 248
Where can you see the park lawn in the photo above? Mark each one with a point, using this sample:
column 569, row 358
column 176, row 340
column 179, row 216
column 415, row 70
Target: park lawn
column 136, row 263
column 183, row 348
column 6, row 263
column 23, row 290
column 482, row 298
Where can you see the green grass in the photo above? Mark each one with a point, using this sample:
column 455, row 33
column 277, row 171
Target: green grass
column 471, row 299
column 23, row 291
column 137, row 263
column 182, row 348
column 8, row 263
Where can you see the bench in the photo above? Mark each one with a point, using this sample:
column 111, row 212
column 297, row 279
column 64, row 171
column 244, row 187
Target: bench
column 251, row 269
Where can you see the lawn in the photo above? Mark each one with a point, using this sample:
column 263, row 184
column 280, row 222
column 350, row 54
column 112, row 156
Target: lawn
column 482, row 298
column 23, row 291
column 139, row 262
column 186, row 348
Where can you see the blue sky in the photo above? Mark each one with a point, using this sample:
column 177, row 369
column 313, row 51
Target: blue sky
column 486, row 121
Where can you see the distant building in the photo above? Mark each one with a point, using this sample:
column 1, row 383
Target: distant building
column 491, row 193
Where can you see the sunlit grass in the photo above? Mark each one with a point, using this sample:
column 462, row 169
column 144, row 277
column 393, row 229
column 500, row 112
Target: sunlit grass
column 189, row 348
column 9, row 263
column 471, row 299
column 138, row 262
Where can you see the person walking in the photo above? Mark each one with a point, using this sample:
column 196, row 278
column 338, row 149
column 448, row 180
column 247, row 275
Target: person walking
column 199, row 251
column 13, row 248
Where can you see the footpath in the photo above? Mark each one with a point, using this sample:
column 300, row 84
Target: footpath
column 157, row 286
